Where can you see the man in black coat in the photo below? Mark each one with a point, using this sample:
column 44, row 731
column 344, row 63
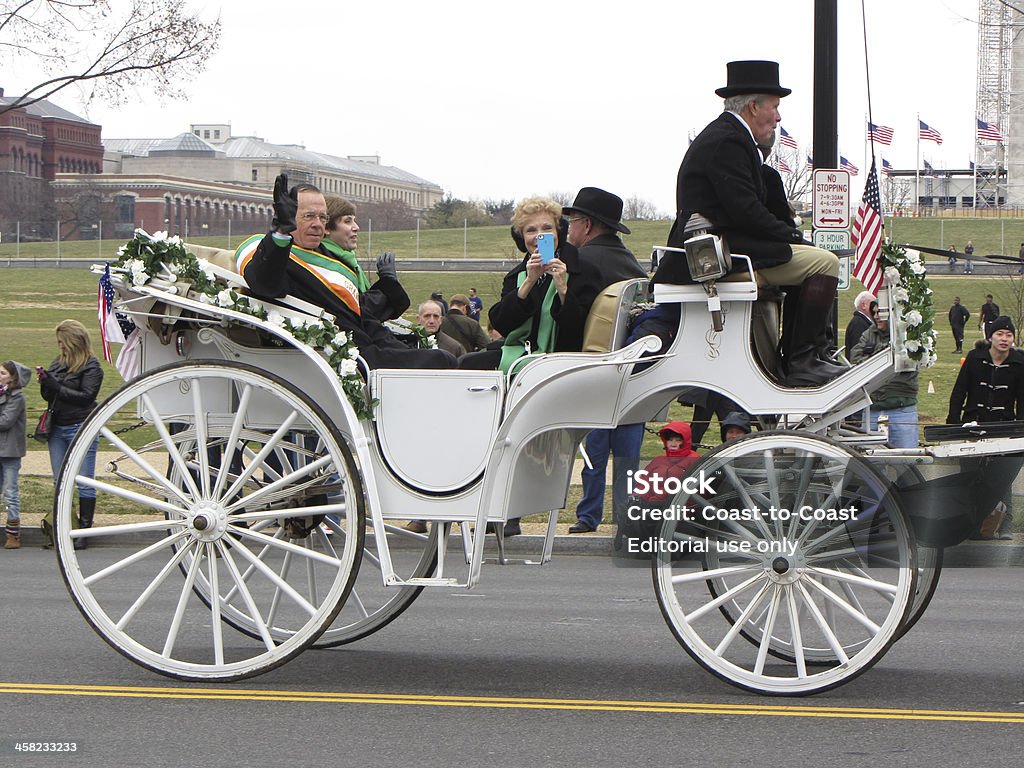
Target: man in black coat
column 593, row 226
column 864, row 307
column 958, row 317
column 721, row 179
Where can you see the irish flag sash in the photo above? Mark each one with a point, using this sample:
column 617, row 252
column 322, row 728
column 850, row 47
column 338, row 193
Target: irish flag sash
column 335, row 276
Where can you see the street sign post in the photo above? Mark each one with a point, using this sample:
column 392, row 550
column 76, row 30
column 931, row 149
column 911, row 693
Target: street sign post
column 831, row 198
column 836, row 240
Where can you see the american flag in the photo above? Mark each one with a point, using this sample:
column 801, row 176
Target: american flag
column 846, row 165
column 782, row 166
column 988, row 132
column 785, row 139
column 972, row 165
column 880, row 133
column 867, row 236
column 928, row 134
column 810, row 163
column 928, row 170
column 886, row 167
column 110, row 329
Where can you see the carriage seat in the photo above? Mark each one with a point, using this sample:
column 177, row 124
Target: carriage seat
column 608, row 320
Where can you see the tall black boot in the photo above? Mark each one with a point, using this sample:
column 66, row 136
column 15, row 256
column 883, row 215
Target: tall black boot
column 805, row 336
column 86, row 510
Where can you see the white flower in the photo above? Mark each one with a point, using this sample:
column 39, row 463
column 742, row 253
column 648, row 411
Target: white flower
column 913, row 256
column 353, row 352
column 158, row 237
column 276, row 318
column 174, row 240
column 892, row 276
column 918, row 268
column 901, row 295
column 121, row 250
column 912, row 345
column 348, row 367
column 913, row 318
column 205, row 298
column 225, row 299
column 341, row 338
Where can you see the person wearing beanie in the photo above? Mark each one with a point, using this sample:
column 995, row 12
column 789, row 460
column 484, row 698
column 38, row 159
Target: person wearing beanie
column 13, row 378
column 735, row 425
column 990, row 385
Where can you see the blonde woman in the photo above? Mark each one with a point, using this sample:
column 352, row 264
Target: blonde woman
column 70, row 386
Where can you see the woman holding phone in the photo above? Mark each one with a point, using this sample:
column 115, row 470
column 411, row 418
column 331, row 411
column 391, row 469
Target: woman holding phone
column 70, row 387
column 538, row 311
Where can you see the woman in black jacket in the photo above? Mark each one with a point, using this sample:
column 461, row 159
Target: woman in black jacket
column 70, row 386
column 990, row 385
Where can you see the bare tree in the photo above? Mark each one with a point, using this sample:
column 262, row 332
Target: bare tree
column 896, row 192
column 636, row 209
column 158, row 44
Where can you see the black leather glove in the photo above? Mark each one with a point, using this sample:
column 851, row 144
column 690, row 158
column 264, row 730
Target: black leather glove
column 286, row 205
column 386, row 265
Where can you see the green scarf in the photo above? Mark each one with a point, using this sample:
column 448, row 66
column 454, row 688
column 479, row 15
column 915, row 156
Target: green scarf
column 515, row 343
column 348, row 258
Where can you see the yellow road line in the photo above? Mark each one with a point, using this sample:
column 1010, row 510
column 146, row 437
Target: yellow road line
column 499, row 702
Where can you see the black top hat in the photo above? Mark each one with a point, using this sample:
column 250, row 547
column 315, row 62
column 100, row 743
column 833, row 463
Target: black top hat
column 752, row 77
column 600, row 205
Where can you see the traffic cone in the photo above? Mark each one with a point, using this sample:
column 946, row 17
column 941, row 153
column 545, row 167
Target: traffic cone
column 931, row 388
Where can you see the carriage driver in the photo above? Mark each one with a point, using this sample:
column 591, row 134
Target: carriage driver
column 720, row 177
column 290, row 259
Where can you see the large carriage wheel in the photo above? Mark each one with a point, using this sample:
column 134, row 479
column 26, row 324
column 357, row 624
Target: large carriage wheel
column 225, row 520
column 788, row 602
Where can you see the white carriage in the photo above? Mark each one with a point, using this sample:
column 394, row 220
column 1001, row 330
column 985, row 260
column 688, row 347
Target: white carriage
column 258, row 515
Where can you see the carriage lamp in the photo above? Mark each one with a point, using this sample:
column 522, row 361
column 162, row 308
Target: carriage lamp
column 707, row 256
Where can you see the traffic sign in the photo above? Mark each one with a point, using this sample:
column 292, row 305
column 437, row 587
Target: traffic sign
column 836, row 240
column 831, row 198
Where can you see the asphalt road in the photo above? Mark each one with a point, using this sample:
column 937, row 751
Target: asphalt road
column 569, row 664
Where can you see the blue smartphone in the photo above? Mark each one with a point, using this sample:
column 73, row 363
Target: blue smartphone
column 546, row 246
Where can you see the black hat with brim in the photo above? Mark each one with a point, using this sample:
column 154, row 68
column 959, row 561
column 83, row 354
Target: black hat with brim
column 752, row 77
column 600, row 205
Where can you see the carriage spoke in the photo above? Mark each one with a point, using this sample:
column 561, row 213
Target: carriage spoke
column 744, row 617
column 845, row 607
column 259, row 460
column 769, row 628
column 132, row 559
column 725, row 597
column 286, row 546
column 798, row 643
column 145, row 501
column 283, row 482
column 247, row 598
column 218, row 625
column 169, row 445
column 230, row 446
column 201, row 437
column 144, row 465
column 169, row 567
column 179, row 611
column 882, row 587
column 731, row 570
column 268, row 573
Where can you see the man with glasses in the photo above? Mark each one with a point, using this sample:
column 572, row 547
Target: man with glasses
column 594, row 224
column 291, row 260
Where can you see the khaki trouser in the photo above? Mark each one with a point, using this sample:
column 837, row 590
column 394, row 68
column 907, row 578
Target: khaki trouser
column 807, row 261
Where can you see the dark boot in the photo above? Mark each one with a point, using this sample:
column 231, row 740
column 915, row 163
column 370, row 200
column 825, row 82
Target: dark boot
column 13, row 535
column 805, row 337
column 86, row 509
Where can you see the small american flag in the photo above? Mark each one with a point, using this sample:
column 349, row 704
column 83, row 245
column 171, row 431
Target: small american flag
column 880, row 133
column 928, row 170
column 886, row 167
column 867, row 236
column 782, row 166
column 988, row 132
column 785, row 139
column 846, row 165
column 810, row 163
column 110, row 330
column 927, row 133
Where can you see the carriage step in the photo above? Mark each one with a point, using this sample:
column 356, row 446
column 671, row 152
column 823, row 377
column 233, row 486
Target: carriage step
column 427, row 581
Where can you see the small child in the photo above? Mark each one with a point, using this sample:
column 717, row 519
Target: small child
column 679, row 456
column 13, row 429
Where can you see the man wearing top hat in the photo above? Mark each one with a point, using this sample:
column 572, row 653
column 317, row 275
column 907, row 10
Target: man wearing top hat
column 593, row 228
column 720, row 178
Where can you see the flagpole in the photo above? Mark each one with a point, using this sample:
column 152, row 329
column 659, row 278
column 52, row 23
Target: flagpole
column 917, row 170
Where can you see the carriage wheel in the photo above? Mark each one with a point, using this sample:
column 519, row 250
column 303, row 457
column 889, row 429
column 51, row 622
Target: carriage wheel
column 371, row 606
column 804, row 589
column 222, row 520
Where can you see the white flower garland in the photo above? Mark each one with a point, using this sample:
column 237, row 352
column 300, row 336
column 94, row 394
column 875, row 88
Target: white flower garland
column 905, row 271
column 162, row 259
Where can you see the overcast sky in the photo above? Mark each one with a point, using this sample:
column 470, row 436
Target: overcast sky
column 502, row 100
